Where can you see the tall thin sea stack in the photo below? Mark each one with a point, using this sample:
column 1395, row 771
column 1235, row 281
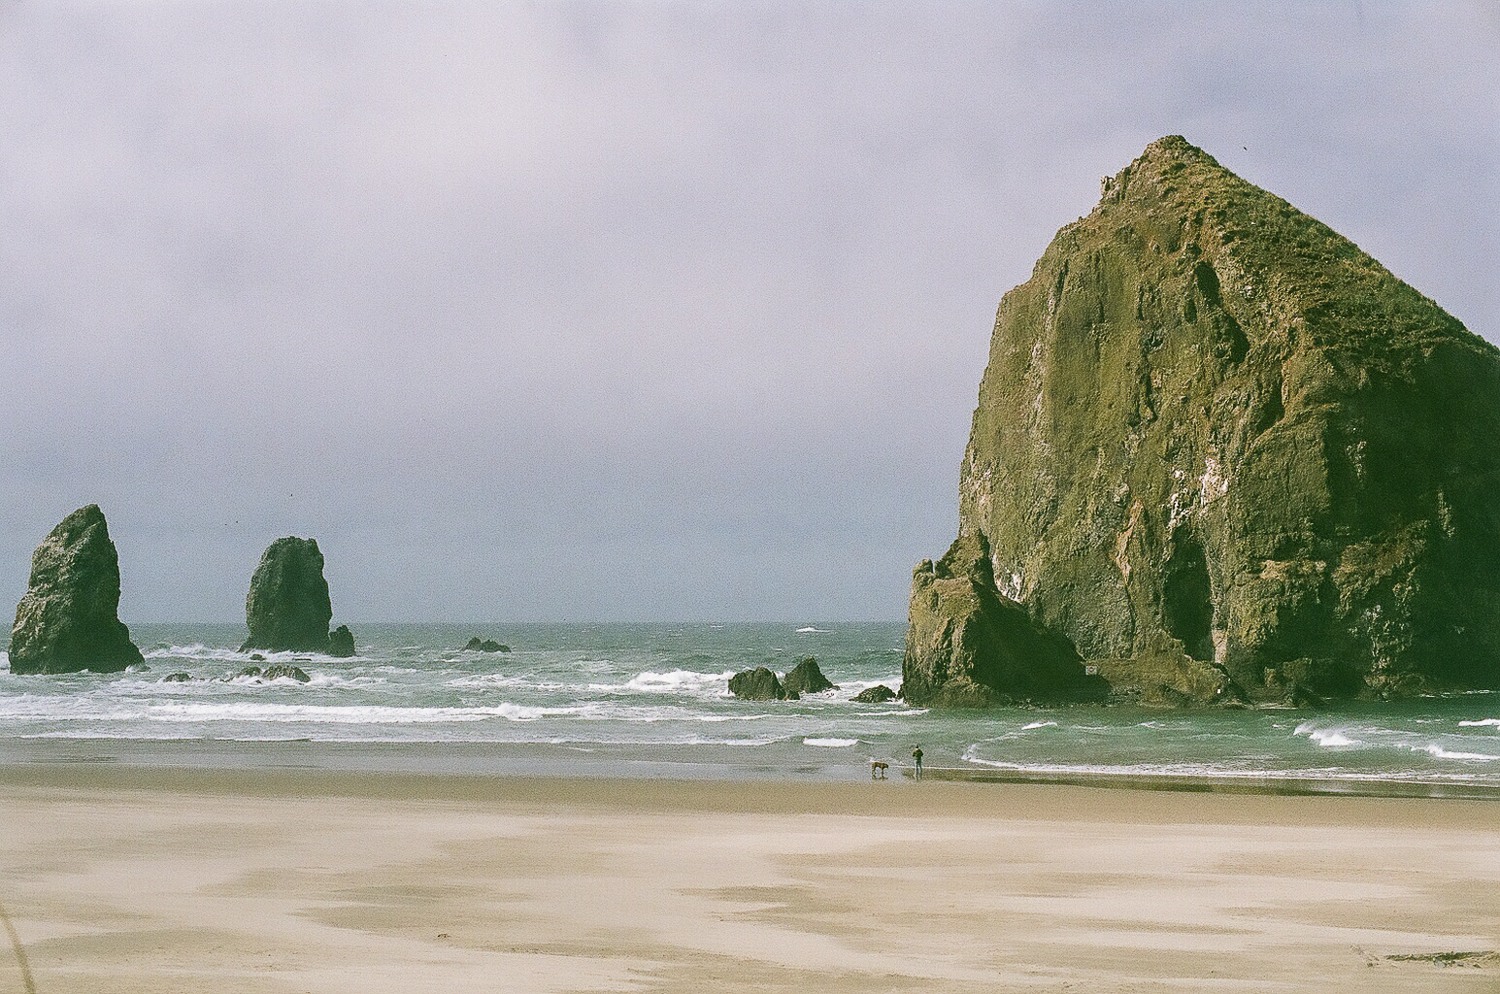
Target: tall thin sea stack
column 68, row 620
column 288, row 606
column 1226, row 455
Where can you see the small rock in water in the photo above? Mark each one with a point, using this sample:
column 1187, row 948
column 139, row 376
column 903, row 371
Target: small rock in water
column 341, row 642
column 177, row 678
column 806, row 678
column 877, row 694
column 257, row 657
column 277, row 671
column 759, row 684
column 476, row 644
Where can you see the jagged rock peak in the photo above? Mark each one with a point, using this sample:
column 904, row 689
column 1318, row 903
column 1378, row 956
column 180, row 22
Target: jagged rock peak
column 1228, row 455
column 68, row 619
column 806, row 678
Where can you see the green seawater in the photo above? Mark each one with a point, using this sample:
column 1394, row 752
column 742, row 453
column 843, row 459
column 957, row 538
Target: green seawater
column 652, row 700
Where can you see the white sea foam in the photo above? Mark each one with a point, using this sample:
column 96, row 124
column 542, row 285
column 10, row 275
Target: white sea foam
column 257, row 711
column 197, row 650
column 677, row 681
column 208, row 653
column 810, row 630
column 333, row 680
column 37, row 707
column 1331, row 738
column 1328, row 738
column 1038, row 724
column 594, row 665
column 489, row 680
column 830, row 743
column 1482, row 722
column 1438, row 752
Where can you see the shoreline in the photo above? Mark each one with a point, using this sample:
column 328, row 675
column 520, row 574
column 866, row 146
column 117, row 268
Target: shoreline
column 131, row 879
column 498, row 760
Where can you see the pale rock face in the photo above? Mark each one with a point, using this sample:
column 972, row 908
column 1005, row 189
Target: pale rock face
column 68, row 619
column 1233, row 457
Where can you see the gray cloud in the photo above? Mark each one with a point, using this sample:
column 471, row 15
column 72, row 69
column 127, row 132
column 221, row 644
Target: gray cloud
column 619, row 310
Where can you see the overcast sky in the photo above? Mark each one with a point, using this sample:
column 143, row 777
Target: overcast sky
column 612, row 311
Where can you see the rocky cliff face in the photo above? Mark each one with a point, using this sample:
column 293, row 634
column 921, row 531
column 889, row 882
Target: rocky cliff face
column 68, row 619
column 968, row 646
column 1226, row 454
column 288, row 605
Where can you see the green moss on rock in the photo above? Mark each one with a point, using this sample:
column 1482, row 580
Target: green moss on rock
column 968, row 646
column 68, row 619
column 1227, row 455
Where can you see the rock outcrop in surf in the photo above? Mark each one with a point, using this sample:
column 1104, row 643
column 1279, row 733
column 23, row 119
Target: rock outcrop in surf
column 806, row 678
column 68, row 620
column 288, row 606
column 759, row 684
column 1224, row 455
column 341, row 642
column 762, row 684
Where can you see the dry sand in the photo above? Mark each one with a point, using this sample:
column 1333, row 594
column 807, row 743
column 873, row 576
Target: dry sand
column 125, row 880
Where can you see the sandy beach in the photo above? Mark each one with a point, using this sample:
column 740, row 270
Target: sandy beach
column 161, row 880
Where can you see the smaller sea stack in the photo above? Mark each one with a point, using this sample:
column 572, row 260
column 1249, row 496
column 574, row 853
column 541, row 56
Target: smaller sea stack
column 288, row 607
column 68, row 619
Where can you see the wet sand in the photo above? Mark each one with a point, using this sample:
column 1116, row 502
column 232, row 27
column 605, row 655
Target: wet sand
column 125, row 879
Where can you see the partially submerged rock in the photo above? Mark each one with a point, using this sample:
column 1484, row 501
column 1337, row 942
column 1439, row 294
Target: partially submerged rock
column 276, row 671
column 68, row 619
column 288, row 605
column 477, row 644
column 759, row 684
column 806, row 678
column 877, row 694
column 341, row 642
column 1225, row 455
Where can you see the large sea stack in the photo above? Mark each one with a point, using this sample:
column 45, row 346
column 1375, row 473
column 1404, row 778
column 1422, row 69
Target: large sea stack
column 1225, row 455
column 288, row 605
column 68, row 619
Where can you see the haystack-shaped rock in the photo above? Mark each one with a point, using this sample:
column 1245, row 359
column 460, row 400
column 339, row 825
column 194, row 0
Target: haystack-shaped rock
column 68, row 619
column 288, row 605
column 1225, row 453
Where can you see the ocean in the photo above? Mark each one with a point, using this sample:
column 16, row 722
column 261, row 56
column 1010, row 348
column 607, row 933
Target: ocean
column 652, row 700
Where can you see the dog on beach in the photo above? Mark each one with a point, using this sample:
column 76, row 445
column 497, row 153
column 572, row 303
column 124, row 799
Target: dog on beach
column 877, row 769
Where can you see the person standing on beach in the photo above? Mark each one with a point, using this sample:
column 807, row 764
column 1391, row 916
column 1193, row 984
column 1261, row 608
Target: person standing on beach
column 917, row 755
